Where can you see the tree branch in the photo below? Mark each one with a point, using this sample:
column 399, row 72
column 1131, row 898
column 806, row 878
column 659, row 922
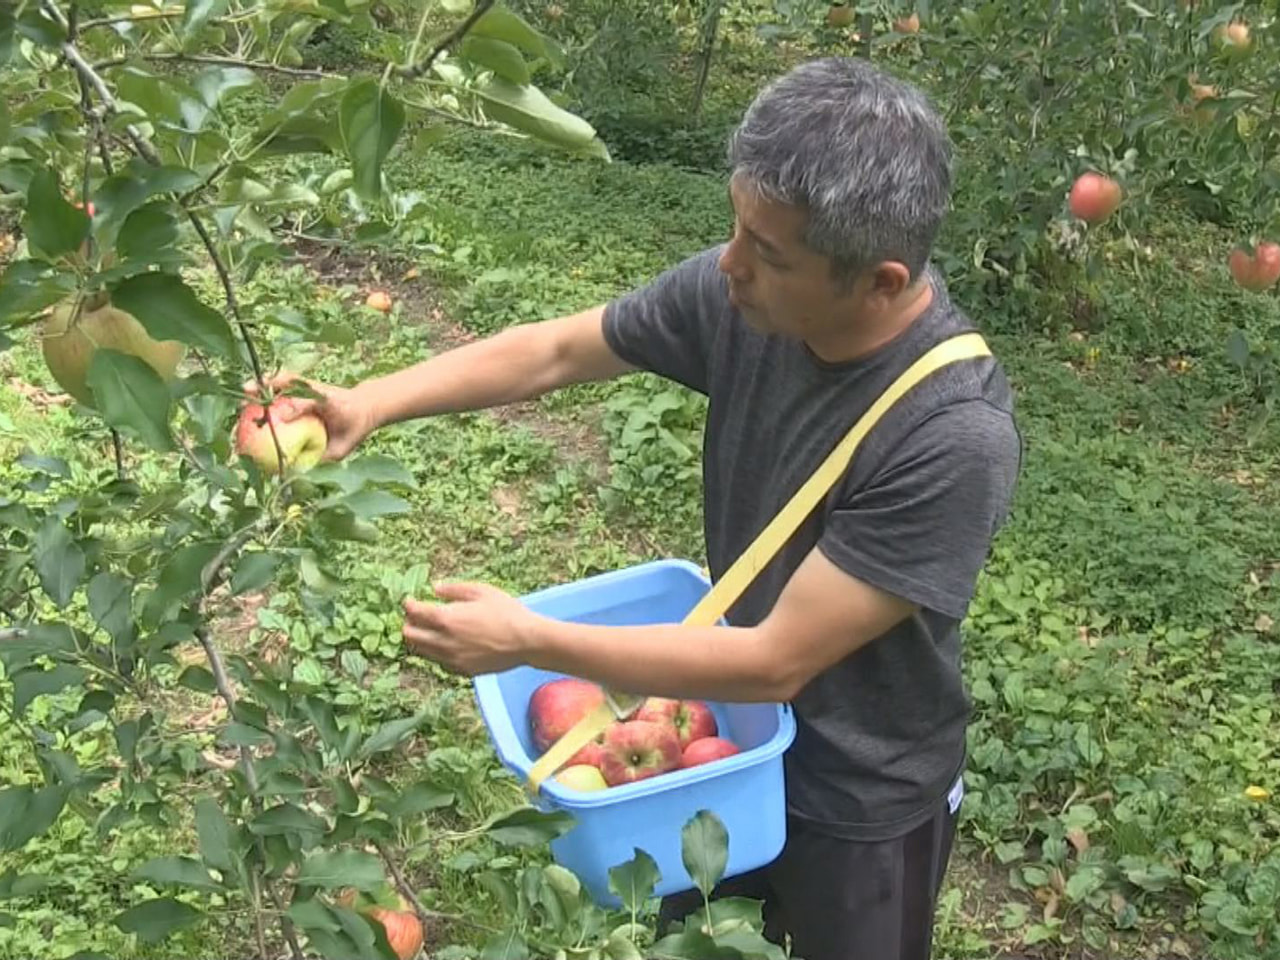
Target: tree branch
column 413, row 71
column 259, row 65
column 140, row 18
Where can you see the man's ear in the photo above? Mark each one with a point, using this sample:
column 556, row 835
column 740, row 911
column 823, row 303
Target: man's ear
column 889, row 280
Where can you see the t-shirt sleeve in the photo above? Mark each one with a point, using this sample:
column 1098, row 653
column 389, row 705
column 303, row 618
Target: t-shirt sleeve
column 921, row 528
column 667, row 325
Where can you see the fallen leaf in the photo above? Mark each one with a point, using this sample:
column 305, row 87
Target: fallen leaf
column 1263, row 624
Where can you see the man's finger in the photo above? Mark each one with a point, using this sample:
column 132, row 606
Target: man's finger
column 461, row 591
column 421, row 640
column 421, row 614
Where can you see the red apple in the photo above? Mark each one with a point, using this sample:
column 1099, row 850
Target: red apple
column 692, row 719
column 1094, row 197
column 404, row 929
column 637, row 750
column 582, row 776
column 591, row 755
column 1258, row 272
column 302, row 440
column 557, row 705
column 909, row 24
column 706, row 750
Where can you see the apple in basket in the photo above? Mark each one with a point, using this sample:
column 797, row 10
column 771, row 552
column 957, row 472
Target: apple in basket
column 582, row 776
column 692, row 719
column 556, row 706
column 636, row 750
column 707, row 749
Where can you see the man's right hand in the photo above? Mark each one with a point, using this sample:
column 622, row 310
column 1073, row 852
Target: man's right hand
column 348, row 416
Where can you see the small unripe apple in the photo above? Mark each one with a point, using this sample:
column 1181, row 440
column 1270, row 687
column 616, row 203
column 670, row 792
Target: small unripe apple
column 1094, row 197
column 838, row 15
column 302, row 440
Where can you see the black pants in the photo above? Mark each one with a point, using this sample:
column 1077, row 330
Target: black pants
column 842, row 900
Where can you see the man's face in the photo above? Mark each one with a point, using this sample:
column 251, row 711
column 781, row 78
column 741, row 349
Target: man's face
column 777, row 283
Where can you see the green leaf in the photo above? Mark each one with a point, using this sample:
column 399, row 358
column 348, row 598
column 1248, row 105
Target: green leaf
column 170, row 310
column 197, row 14
column 26, row 813
column 180, row 579
column 132, row 186
column 509, row 945
column 633, row 882
column 530, row 827
column 371, row 121
column 52, row 225
column 199, row 679
column 1083, row 882
column 60, row 563
column 28, row 287
column 131, row 397
column 14, row 885
column 35, row 682
column 692, row 944
column 285, row 819
column 254, row 571
column 496, row 55
column 313, row 914
column 156, row 919
column 500, row 23
column 42, row 640
column 390, row 734
column 705, row 849
column 331, row 869
column 177, row 871
column 527, row 109
column 110, row 603
column 368, row 504
column 417, row 800
column 149, row 234
column 214, row 832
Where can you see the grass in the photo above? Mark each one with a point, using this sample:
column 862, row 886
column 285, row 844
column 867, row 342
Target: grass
column 1120, row 650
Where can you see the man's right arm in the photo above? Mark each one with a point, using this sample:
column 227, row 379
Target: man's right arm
column 519, row 363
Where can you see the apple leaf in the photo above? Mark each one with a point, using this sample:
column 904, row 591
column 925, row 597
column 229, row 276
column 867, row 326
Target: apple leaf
column 692, row 944
column 60, row 563
column 214, row 833
column 526, row 108
column 41, row 640
column 176, row 871
column 26, row 812
column 496, row 55
column 110, row 603
column 197, row 14
column 133, row 185
column 53, row 466
column 253, row 571
column 180, row 578
column 508, row 945
column 417, row 800
column 131, row 396
column 149, row 235
column 27, row 287
column 500, row 23
column 530, row 827
column 170, row 310
column 52, row 225
column 367, row 504
column 705, row 850
column 156, row 919
column 286, row 819
column 341, row 868
column 390, row 734
column 633, row 882
column 371, row 121
column 35, row 681
column 14, row 885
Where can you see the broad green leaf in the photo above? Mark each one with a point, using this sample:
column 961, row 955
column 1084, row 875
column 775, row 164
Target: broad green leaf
column 368, row 504
column 254, row 571
column 133, row 185
column 371, row 120
column 1083, row 882
column 284, row 819
column 705, row 849
column 53, row 466
column 214, row 832
column 633, row 882
column 176, row 871
column 352, row 475
column 390, row 734
column 28, row 287
column 42, row 640
column 509, row 945
column 312, row 914
column 60, row 563
column 417, row 800
column 14, row 885
column 496, row 55
column 692, row 944
column 52, row 225
column 331, row 869
column 97, row 701
column 26, row 813
column 131, row 397
column 198, row 12
column 213, row 83
column 156, row 919
column 565, row 889
column 527, row 109
column 110, row 597
column 148, row 234
column 313, row 575
column 500, row 23
column 170, row 310
column 35, row 682
column 180, row 579
column 199, row 679
column 530, row 827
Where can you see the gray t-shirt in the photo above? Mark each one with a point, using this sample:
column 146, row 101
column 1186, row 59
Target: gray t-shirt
column 881, row 734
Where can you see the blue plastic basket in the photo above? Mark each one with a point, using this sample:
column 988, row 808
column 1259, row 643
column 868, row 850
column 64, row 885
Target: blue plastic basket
column 746, row 791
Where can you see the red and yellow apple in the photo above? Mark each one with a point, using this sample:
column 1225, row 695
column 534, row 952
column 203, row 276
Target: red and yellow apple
column 557, row 705
column 909, row 24
column 1257, row 272
column 69, row 343
column 582, row 776
column 378, row 300
column 302, row 439
column 404, row 929
column 636, row 750
column 1094, row 197
column 707, row 749
column 692, row 719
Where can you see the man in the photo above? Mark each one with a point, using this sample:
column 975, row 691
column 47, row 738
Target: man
column 820, row 298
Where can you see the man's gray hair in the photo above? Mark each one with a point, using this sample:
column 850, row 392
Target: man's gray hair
column 863, row 153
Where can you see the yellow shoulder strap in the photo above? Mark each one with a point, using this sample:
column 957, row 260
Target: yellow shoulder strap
column 722, row 595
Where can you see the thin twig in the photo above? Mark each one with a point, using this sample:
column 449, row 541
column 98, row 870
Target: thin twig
column 413, row 71
column 118, row 444
column 262, row 66
column 140, row 18
column 424, row 914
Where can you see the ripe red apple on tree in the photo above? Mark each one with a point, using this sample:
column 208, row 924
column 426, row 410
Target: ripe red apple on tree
column 637, row 750
column 1094, row 197
column 1258, row 272
column 707, row 749
column 69, row 344
column 692, row 719
column 302, row 441
column 402, row 926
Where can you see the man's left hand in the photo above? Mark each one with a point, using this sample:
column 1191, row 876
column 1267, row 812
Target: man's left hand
column 481, row 630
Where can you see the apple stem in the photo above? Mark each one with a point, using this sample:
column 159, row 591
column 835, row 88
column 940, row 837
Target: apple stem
column 412, row 71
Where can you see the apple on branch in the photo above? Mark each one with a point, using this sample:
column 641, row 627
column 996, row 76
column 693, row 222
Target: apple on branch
column 302, row 440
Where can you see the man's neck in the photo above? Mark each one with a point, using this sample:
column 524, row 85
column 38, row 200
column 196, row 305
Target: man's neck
column 856, row 338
